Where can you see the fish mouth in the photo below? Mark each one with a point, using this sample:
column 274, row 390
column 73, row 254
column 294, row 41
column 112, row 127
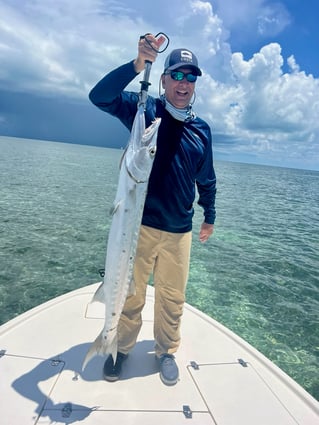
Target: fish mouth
column 150, row 131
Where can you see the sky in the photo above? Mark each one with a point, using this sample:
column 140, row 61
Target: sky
column 259, row 90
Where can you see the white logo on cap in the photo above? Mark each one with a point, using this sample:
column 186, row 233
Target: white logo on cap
column 186, row 56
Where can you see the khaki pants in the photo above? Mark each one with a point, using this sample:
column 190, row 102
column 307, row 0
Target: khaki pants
column 167, row 256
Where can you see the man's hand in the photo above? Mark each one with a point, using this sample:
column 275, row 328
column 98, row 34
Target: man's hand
column 206, row 231
column 146, row 52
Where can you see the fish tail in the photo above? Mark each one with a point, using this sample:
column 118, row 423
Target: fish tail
column 102, row 346
column 113, row 348
column 99, row 294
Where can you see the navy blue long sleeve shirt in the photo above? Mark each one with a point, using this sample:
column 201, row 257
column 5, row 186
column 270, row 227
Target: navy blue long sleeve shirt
column 183, row 161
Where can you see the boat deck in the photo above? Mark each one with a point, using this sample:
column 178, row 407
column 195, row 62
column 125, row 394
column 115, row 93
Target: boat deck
column 223, row 380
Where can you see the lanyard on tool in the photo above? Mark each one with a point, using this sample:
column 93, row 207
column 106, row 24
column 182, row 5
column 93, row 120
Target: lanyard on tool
column 148, row 65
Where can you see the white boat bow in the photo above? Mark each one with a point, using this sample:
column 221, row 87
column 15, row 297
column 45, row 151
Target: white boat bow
column 223, row 379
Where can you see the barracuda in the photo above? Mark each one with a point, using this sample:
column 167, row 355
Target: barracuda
column 135, row 169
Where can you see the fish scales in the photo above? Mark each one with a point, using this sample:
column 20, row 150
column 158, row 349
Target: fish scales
column 135, row 169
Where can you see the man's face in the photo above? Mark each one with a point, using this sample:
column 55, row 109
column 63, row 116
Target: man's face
column 178, row 93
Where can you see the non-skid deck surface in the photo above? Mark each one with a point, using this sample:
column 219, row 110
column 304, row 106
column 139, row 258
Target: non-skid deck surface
column 223, row 380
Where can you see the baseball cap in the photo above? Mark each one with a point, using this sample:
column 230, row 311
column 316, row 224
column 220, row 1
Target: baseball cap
column 179, row 58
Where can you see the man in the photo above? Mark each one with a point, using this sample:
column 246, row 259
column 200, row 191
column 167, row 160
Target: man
column 183, row 160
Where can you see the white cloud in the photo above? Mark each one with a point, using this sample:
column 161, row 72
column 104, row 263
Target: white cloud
column 268, row 111
column 62, row 47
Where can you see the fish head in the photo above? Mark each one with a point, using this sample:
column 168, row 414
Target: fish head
column 149, row 137
column 140, row 161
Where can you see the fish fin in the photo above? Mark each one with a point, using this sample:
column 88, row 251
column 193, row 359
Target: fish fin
column 115, row 208
column 99, row 295
column 102, row 346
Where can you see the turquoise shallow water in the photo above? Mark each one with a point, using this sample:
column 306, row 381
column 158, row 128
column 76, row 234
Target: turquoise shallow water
column 258, row 275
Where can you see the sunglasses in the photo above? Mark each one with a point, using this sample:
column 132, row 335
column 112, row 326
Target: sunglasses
column 179, row 76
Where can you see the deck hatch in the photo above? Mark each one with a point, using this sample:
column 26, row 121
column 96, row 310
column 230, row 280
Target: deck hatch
column 235, row 394
column 33, row 380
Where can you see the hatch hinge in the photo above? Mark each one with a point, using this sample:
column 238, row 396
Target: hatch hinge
column 243, row 363
column 2, row 353
column 194, row 365
column 67, row 410
column 187, row 412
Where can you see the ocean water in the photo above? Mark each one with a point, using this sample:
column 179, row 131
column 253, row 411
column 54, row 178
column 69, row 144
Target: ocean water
column 258, row 274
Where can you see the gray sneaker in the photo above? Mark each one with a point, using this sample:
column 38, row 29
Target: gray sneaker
column 168, row 369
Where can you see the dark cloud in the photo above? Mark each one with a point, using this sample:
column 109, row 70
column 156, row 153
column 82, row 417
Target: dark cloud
column 58, row 119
